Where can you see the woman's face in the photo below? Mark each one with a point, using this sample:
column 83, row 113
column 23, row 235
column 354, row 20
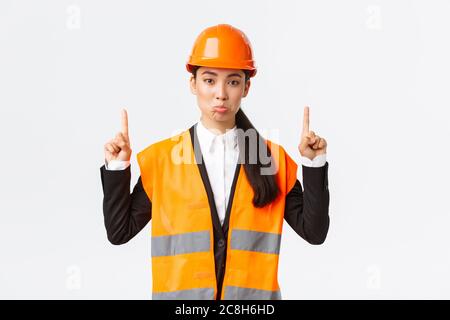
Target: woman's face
column 219, row 93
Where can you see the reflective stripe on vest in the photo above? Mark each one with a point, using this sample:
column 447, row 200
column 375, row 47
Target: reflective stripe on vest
column 255, row 241
column 191, row 294
column 181, row 243
column 239, row 293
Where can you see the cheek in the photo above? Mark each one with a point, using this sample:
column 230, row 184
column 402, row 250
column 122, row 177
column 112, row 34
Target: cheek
column 236, row 93
column 203, row 97
column 203, row 91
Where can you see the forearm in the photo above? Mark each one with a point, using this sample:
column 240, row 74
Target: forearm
column 307, row 210
column 124, row 214
column 316, row 203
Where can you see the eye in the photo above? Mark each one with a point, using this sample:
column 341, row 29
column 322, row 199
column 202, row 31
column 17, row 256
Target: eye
column 209, row 81
column 234, row 83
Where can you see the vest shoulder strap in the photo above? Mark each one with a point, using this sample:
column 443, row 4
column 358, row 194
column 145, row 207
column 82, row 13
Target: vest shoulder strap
column 286, row 165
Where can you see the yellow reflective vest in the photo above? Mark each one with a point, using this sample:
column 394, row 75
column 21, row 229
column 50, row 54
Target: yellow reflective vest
column 183, row 265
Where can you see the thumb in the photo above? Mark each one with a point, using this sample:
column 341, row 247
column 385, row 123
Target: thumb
column 305, row 142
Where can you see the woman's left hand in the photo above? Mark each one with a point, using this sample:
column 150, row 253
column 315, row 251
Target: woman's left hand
column 311, row 145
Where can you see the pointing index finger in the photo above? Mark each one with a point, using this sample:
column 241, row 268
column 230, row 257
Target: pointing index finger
column 125, row 122
column 306, row 119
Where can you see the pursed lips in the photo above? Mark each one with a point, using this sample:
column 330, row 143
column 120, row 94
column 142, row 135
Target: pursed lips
column 220, row 109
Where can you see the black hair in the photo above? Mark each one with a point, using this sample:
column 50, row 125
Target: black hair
column 265, row 187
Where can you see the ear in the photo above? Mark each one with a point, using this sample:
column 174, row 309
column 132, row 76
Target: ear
column 247, row 88
column 193, row 85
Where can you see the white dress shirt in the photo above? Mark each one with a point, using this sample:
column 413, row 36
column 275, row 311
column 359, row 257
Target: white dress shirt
column 220, row 154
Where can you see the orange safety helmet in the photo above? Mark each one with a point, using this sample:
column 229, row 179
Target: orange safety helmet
column 222, row 46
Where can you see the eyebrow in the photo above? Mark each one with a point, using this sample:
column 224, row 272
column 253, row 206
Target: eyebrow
column 215, row 74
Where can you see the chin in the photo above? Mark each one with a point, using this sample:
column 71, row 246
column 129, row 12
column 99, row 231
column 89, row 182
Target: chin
column 220, row 117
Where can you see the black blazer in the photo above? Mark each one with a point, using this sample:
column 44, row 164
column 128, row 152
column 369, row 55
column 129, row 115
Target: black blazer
column 126, row 214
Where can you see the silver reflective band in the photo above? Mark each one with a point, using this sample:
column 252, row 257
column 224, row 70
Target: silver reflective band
column 255, row 241
column 239, row 293
column 180, row 243
column 191, row 294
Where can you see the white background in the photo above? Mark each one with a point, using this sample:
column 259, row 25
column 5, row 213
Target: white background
column 375, row 73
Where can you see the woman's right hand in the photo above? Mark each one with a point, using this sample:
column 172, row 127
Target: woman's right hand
column 119, row 147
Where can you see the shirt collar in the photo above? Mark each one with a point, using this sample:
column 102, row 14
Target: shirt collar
column 208, row 138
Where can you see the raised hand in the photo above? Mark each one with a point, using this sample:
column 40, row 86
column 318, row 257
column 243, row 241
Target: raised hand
column 311, row 145
column 119, row 147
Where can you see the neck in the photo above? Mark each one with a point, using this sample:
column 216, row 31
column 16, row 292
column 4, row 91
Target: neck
column 218, row 127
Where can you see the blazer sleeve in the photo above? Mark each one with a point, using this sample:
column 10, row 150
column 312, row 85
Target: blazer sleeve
column 306, row 211
column 124, row 214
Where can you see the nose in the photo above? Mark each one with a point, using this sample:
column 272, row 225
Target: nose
column 221, row 93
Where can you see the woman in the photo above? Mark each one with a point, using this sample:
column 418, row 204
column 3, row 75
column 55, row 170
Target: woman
column 218, row 192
